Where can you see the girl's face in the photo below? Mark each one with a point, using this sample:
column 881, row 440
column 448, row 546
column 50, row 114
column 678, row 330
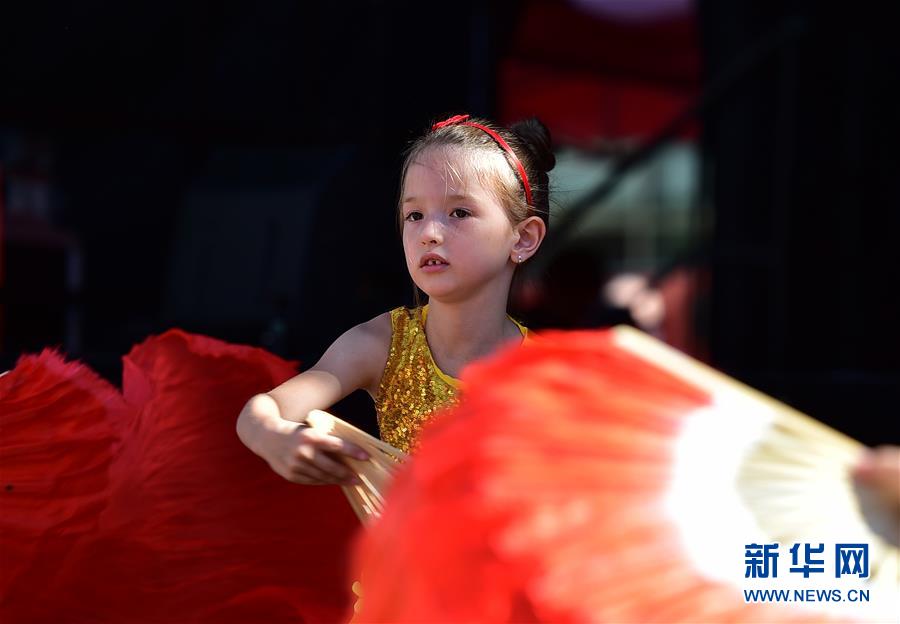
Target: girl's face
column 457, row 237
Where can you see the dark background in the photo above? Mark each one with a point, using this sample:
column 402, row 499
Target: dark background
column 231, row 169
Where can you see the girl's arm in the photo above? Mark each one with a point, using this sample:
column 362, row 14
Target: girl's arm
column 268, row 424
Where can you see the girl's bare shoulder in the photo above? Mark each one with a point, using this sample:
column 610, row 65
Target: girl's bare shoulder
column 374, row 333
column 357, row 358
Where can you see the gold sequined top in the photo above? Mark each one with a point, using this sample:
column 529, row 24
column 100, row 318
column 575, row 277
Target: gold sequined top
column 412, row 386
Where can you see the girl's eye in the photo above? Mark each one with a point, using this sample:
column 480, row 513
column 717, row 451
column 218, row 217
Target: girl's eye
column 413, row 216
column 460, row 213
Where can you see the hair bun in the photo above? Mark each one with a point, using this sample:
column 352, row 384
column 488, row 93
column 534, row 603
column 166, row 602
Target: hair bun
column 536, row 138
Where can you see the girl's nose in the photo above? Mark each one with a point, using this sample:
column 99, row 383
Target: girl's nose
column 431, row 233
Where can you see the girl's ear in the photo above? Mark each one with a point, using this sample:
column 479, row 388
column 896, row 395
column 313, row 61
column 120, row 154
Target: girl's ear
column 531, row 232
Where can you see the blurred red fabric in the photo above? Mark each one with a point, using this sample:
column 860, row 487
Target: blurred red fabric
column 541, row 498
column 593, row 78
column 143, row 506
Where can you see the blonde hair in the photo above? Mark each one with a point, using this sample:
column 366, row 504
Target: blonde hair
column 492, row 166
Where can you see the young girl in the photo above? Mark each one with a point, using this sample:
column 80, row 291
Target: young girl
column 474, row 205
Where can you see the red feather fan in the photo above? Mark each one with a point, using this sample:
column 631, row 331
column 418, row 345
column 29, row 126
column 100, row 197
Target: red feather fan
column 149, row 509
column 547, row 496
column 59, row 435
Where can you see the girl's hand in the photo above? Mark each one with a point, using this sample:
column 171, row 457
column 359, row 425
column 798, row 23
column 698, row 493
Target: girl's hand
column 268, row 423
column 311, row 457
column 879, row 470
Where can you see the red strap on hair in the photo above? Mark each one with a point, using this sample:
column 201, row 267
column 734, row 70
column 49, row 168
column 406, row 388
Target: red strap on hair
column 463, row 120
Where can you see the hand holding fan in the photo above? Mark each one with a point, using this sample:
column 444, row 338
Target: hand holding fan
column 367, row 499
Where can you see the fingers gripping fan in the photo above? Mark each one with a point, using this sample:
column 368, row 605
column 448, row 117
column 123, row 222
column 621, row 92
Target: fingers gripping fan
column 603, row 477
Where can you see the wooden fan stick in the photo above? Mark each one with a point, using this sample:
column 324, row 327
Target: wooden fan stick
column 372, row 491
column 366, row 501
column 331, row 424
column 362, row 505
column 355, row 502
column 375, row 473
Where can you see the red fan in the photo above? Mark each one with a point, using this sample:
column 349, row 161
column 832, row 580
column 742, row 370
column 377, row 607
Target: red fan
column 59, row 434
column 148, row 508
column 600, row 476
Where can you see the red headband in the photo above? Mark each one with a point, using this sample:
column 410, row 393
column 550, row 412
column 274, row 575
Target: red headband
column 463, row 120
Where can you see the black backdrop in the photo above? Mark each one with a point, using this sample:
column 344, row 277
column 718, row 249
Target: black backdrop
column 804, row 177
column 175, row 126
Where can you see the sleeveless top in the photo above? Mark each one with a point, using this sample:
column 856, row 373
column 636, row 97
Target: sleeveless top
column 412, row 386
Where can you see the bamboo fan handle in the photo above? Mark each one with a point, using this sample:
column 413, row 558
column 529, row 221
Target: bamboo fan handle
column 328, row 423
column 355, row 503
column 366, row 499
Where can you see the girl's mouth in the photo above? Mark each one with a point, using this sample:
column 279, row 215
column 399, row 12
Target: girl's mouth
column 434, row 266
column 432, row 262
